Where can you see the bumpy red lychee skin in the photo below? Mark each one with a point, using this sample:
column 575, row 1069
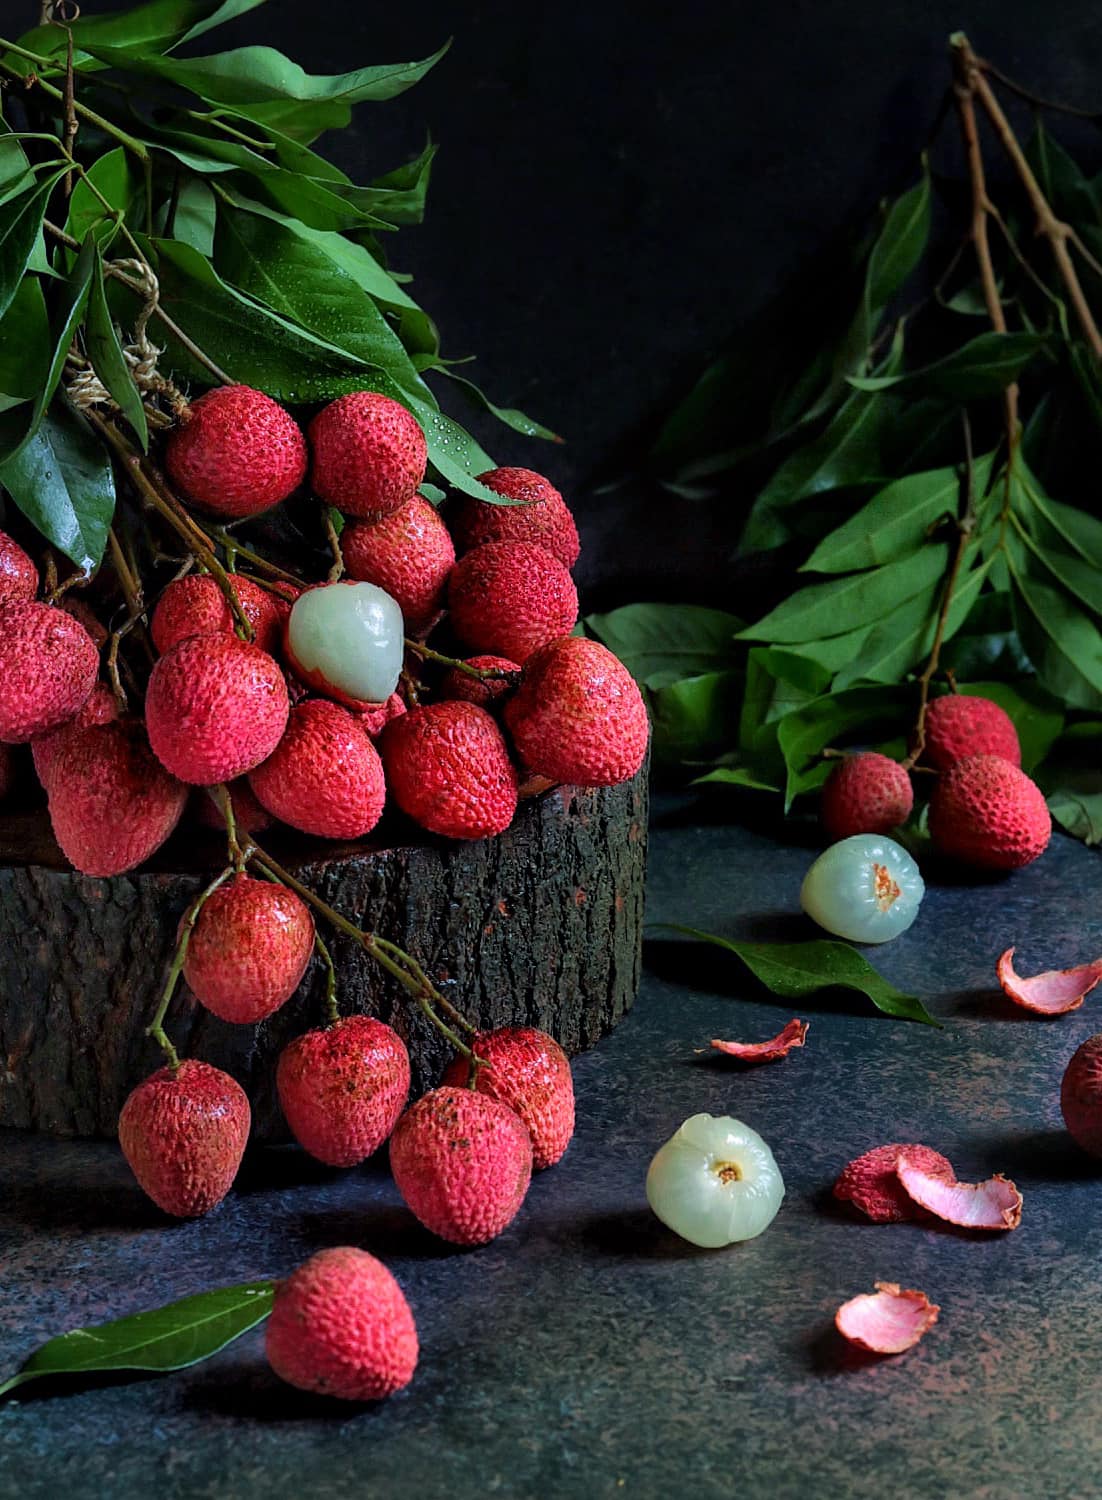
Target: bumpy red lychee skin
column 112, row 804
column 216, row 706
column 183, row 1134
column 48, row 667
column 986, row 812
column 18, row 574
column 369, row 454
column 456, row 684
column 462, row 1162
column 870, row 1183
column 85, row 615
column 866, row 793
column 341, row 1326
column 342, row 1088
column 448, row 768
column 1081, row 1096
column 325, row 777
column 959, row 726
column 195, row 605
column 249, row 949
column 248, row 815
column 98, row 708
column 530, row 1073
column 578, row 716
column 543, row 518
column 374, row 720
column 510, row 598
column 409, row 553
column 237, row 452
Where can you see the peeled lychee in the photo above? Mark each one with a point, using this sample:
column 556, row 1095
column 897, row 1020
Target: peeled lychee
column 236, row 453
column 341, row 1326
column 866, row 793
column 530, row 1073
column 18, row 574
column 959, row 726
column 578, row 716
column 1081, row 1096
column 99, row 707
column 48, row 667
column 448, row 768
column 374, row 720
column 369, row 454
column 483, row 691
column 409, row 553
column 462, row 1162
column 986, row 812
column 248, row 815
column 216, row 706
column 249, row 949
column 543, row 518
column 325, row 777
column 510, row 598
column 183, row 1132
column 342, row 1088
column 195, row 605
column 346, row 640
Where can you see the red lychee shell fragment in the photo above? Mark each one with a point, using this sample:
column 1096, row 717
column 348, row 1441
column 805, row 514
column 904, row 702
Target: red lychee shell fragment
column 374, row 720
column 870, row 1184
column 959, row 725
column 369, row 454
column 866, row 793
column 236, row 453
column 994, row 1204
column 887, row 1321
column 542, row 518
column 195, row 605
column 1052, row 993
column 325, row 776
column 48, row 667
column 794, row 1034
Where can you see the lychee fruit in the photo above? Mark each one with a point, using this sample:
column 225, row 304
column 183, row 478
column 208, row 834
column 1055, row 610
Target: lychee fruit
column 195, row 605
column 346, row 640
column 48, row 667
column 248, row 815
column 374, row 720
column 448, row 768
column 341, row 1326
column 578, row 716
column 987, row 812
column 112, row 804
column 958, row 726
column 484, row 691
column 216, row 706
column 510, row 598
column 183, row 1132
column 86, row 616
column 543, row 518
column 369, row 454
column 342, row 1088
column 99, row 707
column 462, row 1162
column 409, row 553
column 325, row 777
column 1081, row 1096
column 529, row 1072
column 866, row 793
column 249, row 949
column 18, row 574
column 236, row 453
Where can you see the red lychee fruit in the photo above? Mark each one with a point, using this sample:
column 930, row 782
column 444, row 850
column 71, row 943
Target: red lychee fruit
column 215, row 707
column 1081, row 1096
column 409, row 553
column 530, row 1073
column 342, row 1088
column 369, row 454
column 183, row 1132
column 543, row 518
column 578, row 716
column 462, row 1162
column 986, row 812
column 236, row 453
column 86, row 616
column 448, row 768
column 111, row 803
column 510, row 598
column 325, row 777
column 248, row 815
column 98, row 708
column 18, row 574
column 959, row 726
column 341, row 1326
column 48, row 667
column 486, row 692
column 249, row 949
column 195, row 605
column 374, row 720
column 866, row 793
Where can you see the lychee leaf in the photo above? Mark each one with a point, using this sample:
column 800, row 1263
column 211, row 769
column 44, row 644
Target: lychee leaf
column 1036, row 715
column 833, row 720
column 62, row 481
column 108, row 361
column 20, row 226
column 692, row 717
column 984, row 366
column 157, row 26
column 671, row 640
column 508, row 415
column 1061, row 641
column 113, row 177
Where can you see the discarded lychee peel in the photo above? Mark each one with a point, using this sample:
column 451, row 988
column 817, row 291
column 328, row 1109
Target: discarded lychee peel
column 870, row 1183
column 1053, row 993
column 992, row 1205
column 793, row 1034
column 889, row 1320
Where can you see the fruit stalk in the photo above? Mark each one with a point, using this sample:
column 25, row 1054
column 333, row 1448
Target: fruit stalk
column 156, row 1028
column 481, row 674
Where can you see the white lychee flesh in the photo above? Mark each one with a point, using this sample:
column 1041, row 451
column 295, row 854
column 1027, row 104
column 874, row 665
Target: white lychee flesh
column 351, row 635
column 866, row 888
column 715, row 1182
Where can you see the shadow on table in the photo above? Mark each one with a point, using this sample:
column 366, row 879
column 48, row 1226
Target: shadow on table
column 254, row 1393
column 631, row 1232
column 1043, row 1155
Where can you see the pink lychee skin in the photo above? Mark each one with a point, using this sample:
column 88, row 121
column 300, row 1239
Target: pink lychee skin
column 578, row 716
column 988, row 813
column 341, row 1326
column 462, row 1162
column 342, row 1088
column 374, row 720
column 529, row 1072
column 237, row 452
column 183, row 1134
column 448, row 768
column 369, row 454
column 98, row 708
column 249, row 949
column 216, row 706
column 958, row 726
column 325, row 777
column 408, row 553
column 456, row 684
column 543, row 519
column 248, row 815
column 195, row 605
column 866, row 793
column 1081, row 1096
column 18, row 574
column 510, row 598
column 48, row 667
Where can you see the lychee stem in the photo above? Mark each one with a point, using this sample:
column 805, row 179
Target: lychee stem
column 156, row 1028
column 223, row 535
column 332, row 1010
column 221, row 798
column 481, row 674
column 336, row 572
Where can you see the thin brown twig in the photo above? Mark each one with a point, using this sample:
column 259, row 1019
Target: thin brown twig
column 71, row 124
column 336, row 572
column 1037, row 100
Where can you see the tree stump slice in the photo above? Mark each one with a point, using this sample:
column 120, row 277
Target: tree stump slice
column 541, row 926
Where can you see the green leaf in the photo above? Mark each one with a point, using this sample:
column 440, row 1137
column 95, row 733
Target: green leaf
column 735, row 776
column 678, row 640
column 777, row 683
column 693, row 717
column 108, row 361
column 20, row 226
column 169, row 1338
column 1064, row 185
column 195, row 217
column 831, row 721
column 1062, row 643
column 835, row 652
column 798, row 969
column 1079, row 810
column 154, row 27
column 25, row 341
column 984, row 366
column 62, row 481
column 509, row 415
column 118, row 181
column 899, row 246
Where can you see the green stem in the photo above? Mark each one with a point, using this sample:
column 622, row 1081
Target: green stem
column 156, row 1028
column 220, row 796
column 332, row 1010
column 90, row 115
column 223, row 535
column 482, row 674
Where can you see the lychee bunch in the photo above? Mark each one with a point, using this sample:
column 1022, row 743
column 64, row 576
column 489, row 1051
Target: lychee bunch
column 249, row 949
column 959, row 726
column 48, row 667
column 866, row 793
column 369, row 454
column 528, row 1071
column 236, row 452
column 409, row 553
column 195, row 605
column 542, row 517
column 342, row 1088
column 325, row 776
column 510, row 598
column 448, row 768
column 18, row 574
column 987, row 812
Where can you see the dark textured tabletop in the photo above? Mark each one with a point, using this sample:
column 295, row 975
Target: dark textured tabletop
column 588, row 1352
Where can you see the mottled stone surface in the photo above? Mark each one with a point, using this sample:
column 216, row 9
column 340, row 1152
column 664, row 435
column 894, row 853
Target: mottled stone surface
column 588, row 1352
